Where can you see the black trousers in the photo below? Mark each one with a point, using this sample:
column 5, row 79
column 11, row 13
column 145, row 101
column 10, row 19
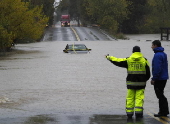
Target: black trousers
column 159, row 91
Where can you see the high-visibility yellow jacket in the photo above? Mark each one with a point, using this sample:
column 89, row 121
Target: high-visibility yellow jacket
column 138, row 70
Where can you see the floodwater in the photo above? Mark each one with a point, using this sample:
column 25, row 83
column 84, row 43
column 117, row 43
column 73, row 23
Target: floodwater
column 41, row 84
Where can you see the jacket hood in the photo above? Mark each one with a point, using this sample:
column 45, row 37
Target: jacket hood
column 136, row 56
column 158, row 49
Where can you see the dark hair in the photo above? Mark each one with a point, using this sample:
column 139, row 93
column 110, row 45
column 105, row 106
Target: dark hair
column 157, row 43
column 136, row 49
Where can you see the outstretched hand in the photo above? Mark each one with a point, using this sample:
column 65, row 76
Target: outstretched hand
column 106, row 55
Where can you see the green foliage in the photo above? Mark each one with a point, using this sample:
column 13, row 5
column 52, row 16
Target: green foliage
column 137, row 9
column 158, row 16
column 120, row 36
column 107, row 13
column 5, row 38
column 18, row 21
column 64, row 5
column 47, row 7
column 75, row 8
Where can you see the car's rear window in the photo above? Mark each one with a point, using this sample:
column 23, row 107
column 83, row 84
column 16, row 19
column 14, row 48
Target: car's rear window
column 76, row 47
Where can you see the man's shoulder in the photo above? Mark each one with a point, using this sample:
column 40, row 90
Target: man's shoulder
column 160, row 53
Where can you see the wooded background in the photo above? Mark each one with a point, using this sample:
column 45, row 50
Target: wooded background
column 26, row 20
column 126, row 16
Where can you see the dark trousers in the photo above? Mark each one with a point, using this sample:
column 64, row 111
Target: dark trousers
column 159, row 91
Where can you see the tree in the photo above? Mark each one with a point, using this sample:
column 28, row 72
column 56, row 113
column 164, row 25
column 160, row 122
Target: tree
column 107, row 13
column 20, row 21
column 127, row 16
column 5, row 38
column 75, row 9
column 47, row 7
column 64, row 5
column 158, row 16
column 137, row 10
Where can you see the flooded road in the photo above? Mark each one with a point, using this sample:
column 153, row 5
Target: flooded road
column 41, row 84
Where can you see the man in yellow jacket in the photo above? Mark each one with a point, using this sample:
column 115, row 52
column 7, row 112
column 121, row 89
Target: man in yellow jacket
column 138, row 73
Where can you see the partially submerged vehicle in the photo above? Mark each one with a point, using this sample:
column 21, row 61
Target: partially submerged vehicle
column 76, row 48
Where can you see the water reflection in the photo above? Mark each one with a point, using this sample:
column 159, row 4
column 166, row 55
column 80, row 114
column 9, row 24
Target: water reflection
column 136, row 121
column 74, row 119
column 114, row 119
column 41, row 119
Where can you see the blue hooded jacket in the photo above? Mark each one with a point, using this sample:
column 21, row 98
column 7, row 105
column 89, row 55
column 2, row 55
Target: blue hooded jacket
column 160, row 65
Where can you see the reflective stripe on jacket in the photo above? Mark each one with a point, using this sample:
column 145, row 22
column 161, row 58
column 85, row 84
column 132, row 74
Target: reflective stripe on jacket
column 136, row 65
column 138, row 70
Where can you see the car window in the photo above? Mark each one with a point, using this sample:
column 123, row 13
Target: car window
column 70, row 47
column 81, row 47
column 77, row 47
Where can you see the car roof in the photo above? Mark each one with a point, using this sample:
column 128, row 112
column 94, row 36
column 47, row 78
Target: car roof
column 75, row 44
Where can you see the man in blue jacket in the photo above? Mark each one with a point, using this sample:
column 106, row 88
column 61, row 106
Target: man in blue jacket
column 160, row 77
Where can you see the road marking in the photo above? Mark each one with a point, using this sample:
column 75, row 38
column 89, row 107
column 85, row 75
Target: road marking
column 74, row 49
column 164, row 120
column 78, row 39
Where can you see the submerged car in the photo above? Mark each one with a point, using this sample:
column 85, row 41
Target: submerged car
column 76, row 48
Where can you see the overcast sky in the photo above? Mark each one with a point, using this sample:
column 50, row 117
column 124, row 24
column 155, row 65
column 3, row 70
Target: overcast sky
column 56, row 1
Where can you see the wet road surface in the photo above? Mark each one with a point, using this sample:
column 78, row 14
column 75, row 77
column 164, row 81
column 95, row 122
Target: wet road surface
column 74, row 33
column 46, row 86
column 79, row 119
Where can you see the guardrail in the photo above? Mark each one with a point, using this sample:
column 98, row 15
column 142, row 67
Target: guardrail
column 165, row 33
